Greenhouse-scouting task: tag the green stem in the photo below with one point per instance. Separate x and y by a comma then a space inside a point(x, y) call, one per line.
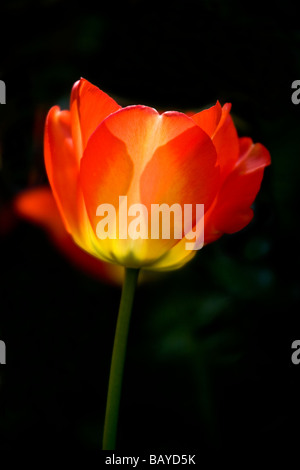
point(118, 359)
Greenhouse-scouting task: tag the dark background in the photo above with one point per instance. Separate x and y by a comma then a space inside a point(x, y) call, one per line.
point(209, 358)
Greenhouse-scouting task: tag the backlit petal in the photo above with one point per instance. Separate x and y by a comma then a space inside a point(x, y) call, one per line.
point(180, 172)
point(62, 165)
point(63, 172)
point(232, 210)
point(89, 106)
point(152, 159)
point(226, 142)
point(208, 119)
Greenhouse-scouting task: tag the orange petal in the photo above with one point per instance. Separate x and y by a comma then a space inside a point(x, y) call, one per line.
point(119, 150)
point(252, 156)
point(226, 142)
point(89, 106)
point(106, 171)
point(181, 172)
point(218, 124)
point(232, 210)
point(208, 119)
point(143, 130)
point(62, 166)
point(151, 159)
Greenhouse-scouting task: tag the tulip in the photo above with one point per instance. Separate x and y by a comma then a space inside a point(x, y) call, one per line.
point(98, 151)
point(99, 156)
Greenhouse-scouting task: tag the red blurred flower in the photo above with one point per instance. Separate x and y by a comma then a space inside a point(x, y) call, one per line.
point(38, 206)
point(98, 151)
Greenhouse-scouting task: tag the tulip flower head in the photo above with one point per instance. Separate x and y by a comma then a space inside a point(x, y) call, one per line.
point(146, 190)
point(143, 189)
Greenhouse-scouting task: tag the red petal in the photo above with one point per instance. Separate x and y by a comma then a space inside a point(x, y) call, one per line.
point(106, 171)
point(232, 210)
point(181, 172)
point(62, 166)
point(208, 119)
point(217, 123)
point(151, 159)
point(89, 107)
point(226, 142)
point(252, 156)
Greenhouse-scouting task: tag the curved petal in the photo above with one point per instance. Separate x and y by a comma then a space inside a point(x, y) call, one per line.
point(151, 159)
point(226, 142)
point(208, 119)
point(218, 124)
point(174, 258)
point(180, 172)
point(252, 156)
point(62, 166)
point(63, 173)
point(89, 107)
point(119, 150)
point(106, 171)
point(143, 130)
point(232, 208)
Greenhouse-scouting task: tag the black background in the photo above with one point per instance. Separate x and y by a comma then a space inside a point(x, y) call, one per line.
point(209, 357)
